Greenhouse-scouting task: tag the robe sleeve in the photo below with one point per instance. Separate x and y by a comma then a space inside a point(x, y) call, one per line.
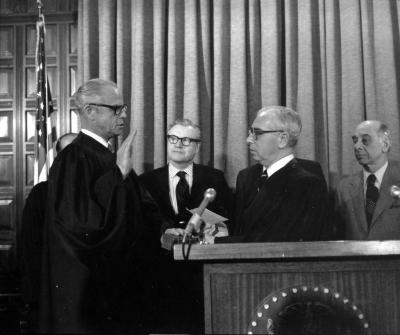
point(88, 202)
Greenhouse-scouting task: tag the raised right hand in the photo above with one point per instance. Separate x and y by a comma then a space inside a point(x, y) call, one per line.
point(125, 154)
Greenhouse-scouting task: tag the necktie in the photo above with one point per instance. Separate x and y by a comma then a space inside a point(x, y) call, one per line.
point(262, 179)
point(371, 196)
point(110, 147)
point(182, 193)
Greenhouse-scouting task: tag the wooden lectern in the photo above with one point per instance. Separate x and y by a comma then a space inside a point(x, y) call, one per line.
point(362, 275)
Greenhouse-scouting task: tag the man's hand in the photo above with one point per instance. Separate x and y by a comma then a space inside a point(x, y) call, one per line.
point(212, 231)
point(167, 241)
point(124, 154)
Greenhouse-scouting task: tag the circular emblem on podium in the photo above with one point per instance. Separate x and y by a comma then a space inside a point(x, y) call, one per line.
point(308, 310)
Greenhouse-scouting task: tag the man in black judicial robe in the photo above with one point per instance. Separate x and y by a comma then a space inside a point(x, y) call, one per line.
point(100, 224)
point(33, 217)
point(278, 200)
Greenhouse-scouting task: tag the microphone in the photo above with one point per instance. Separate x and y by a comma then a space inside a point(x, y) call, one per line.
point(194, 222)
point(395, 191)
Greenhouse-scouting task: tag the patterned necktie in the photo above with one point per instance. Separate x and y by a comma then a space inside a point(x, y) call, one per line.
point(371, 196)
point(182, 193)
point(262, 179)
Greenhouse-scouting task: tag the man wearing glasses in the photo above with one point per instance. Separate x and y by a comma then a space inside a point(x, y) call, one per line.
point(97, 218)
point(178, 187)
point(278, 199)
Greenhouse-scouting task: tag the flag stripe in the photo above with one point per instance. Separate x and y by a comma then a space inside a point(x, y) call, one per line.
point(46, 134)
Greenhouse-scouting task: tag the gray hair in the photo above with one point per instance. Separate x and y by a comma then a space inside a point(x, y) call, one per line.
point(185, 123)
point(90, 89)
point(286, 119)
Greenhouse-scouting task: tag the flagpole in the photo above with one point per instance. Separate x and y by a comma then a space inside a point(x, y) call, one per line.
point(40, 7)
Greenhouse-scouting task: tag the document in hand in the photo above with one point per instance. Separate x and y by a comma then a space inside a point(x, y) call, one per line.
point(209, 217)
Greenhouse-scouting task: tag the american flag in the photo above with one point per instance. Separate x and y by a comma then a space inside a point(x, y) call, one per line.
point(45, 124)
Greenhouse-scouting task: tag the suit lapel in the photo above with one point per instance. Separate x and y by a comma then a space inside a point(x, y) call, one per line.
point(385, 201)
point(196, 193)
point(163, 181)
point(358, 198)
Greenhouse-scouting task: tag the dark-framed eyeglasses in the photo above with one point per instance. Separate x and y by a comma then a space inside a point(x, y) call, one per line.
point(184, 140)
point(254, 132)
point(118, 109)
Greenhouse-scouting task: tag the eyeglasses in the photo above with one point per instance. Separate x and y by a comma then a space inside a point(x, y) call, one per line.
point(184, 140)
point(118, 109)
point(254, 132)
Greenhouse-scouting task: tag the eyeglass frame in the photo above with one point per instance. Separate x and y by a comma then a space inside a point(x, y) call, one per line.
point(254, 132)
point(114, 108)
point(181, 139)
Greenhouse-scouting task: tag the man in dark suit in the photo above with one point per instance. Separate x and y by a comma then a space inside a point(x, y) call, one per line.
point(177, 187)
point(365, 206)
point(164, 183)
point(278, 200)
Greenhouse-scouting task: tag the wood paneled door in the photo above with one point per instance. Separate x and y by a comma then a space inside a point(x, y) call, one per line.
point(18, 98)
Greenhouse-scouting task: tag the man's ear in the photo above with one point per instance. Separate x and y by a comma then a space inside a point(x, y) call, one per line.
point(197, 147)
point(385, 144)
point(283, 140)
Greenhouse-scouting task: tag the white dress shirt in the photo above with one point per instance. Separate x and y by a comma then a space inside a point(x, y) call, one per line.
point(279, 164)
point(173, 181)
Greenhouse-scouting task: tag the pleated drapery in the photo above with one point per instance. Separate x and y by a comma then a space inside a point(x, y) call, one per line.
point(337, 62)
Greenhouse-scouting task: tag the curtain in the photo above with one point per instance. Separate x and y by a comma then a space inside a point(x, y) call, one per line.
point(337, 62)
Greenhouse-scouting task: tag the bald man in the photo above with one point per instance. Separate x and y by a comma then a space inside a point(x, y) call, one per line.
point(365, 207)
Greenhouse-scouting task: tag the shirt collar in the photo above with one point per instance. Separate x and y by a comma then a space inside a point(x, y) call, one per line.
point(95, 137)
point(378, 174)
point(172, 170)
point(279, 164)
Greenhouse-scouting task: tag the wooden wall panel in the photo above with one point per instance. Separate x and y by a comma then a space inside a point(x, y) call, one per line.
point(6, 126)
point(6, 214)
point(30, 123)
point(6, 41)
point(6, 170)
point(30, 161)
point(6, 83)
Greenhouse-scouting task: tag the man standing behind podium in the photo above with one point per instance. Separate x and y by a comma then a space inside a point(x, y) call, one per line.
point(177, 187)
point(365, 206)
point(180, 185)
point(279, 200)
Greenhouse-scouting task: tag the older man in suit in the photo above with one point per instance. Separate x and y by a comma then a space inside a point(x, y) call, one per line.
point(278, 199)
point(365, 206)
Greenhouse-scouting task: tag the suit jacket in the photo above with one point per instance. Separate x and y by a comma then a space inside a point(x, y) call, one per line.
point(204, 177)
point(350, 207)
point(291, 206)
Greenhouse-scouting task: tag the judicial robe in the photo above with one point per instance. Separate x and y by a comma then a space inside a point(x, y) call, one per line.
point(33, 217)
point(291, 205)
point(98, 227)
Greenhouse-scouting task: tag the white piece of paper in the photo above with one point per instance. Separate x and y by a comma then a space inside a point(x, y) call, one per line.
point(209, 217)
